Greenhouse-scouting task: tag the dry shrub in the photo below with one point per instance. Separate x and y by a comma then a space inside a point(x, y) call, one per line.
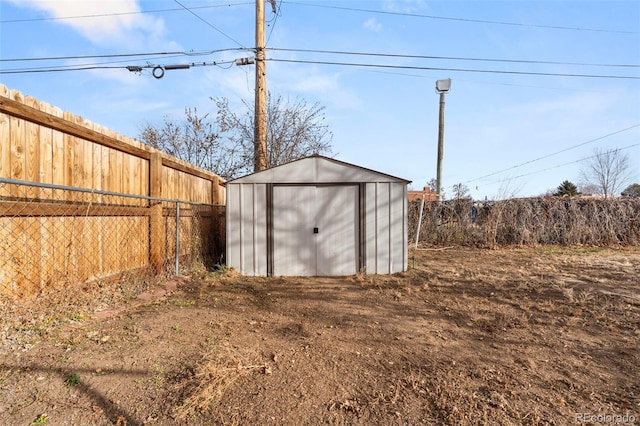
point(531, 221)
point(201, 387)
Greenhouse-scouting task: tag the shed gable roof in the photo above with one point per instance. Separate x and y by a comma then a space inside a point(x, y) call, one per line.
point(317, 169)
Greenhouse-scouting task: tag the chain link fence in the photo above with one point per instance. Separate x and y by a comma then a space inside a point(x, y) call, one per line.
point(62, 238)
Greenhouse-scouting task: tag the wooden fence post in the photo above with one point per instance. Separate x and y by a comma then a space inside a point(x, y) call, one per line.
point(156, 226)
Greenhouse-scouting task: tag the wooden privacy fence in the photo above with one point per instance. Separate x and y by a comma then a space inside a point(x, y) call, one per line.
point(79, 202)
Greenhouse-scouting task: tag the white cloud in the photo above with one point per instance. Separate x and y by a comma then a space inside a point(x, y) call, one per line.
point(372, 24)
point(116, 22)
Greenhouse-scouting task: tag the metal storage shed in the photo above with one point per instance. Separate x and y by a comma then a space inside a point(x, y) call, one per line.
point(317, 217)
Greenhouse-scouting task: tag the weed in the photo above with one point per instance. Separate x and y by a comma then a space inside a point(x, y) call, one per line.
point(176, 328)
point(72, 380)
point(40, 420)
point(76, 317)
point(182, 303)
point(585, 296)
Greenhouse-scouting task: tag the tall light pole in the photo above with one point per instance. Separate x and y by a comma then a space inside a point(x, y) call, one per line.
point(442, 87)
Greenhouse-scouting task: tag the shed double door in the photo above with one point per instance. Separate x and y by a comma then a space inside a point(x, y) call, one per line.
point(315, 230)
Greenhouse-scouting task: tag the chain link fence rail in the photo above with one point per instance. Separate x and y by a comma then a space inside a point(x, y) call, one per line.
point(54, 237)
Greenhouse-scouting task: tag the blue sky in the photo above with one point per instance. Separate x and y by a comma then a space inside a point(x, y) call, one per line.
point(511, 133)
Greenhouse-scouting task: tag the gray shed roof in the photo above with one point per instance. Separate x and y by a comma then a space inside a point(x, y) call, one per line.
point(317, 169)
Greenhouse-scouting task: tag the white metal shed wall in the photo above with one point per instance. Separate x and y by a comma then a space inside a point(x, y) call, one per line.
point(386, 228)
point(379, 220)
point(247, 228)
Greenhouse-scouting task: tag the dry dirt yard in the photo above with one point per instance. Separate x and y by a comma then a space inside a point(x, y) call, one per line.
point(466, 336)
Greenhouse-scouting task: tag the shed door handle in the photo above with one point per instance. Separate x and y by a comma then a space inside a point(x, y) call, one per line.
point(315, 230)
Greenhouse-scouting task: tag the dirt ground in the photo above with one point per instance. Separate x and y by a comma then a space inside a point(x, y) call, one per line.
point(466, 336)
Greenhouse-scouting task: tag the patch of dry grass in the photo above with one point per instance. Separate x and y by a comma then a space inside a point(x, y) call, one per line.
point(201, 387)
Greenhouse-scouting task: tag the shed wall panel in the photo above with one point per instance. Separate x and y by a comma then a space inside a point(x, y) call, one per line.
point(294, 217)
point(314, 170)
point(260, 232)
point(247, 229)
point(337, 240)
point(371, 226)
point(396, 228)
point(405, 228)
point(383, 255)
point(233, 221)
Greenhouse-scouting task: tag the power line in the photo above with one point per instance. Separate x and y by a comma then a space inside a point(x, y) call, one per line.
point(208, 23)
point(132, 68)
point(353, 64)
point(374, 54)
point(277, 12)
point(555, 153)
point(122, 55)
point(364, 65)
point(572, 162)
point(414, 15)
point(453, 58)
point(475, 21)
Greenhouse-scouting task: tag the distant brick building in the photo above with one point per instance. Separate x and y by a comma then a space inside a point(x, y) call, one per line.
point(426, 192)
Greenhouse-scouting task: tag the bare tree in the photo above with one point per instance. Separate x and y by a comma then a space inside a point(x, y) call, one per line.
point(225, 145)
point(196, 140)
point(460, 190)
point(606, 171)
point(509, 188)
point(294, 130)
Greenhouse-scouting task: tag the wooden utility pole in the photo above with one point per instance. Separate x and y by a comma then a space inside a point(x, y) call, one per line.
point(260, 119)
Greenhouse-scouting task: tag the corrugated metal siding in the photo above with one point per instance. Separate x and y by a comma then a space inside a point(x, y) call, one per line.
point(294, 217)
point(337, 240)
point(233, 227)
point(317, 192)
point(396, 228)
point(383, 243)
point(297, 210)
point(317, 170)
point(386, 228)
point(371, 226)
point(247, 228)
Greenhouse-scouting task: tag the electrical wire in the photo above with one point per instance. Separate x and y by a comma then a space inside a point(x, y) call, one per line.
point(209, 24)
point(353, 64)
point(278, 12)
point(451, 58)
point(555, 153)
point(147, 59)
point(364, 65)
point(569, 163)
point(474, 21)
point(122, 55)
point(132, 68)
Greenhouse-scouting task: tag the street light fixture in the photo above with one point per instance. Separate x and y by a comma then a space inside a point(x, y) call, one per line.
point(442, 87)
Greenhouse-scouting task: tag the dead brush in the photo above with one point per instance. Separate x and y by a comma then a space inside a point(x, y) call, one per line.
point(208, 382)
point(566, 291)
